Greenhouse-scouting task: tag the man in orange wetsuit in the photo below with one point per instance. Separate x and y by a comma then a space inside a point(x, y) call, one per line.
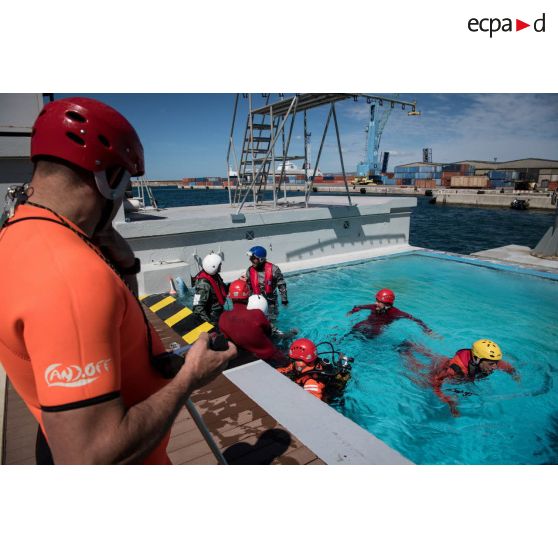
point(249, 329)
point(313, 374)
point(73, 338)
point(467, 365)
point(383, 313)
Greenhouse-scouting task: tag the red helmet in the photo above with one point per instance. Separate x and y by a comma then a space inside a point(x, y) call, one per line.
point(303, 349)
point(238, 290)
point(92, 136)
point(386, 296)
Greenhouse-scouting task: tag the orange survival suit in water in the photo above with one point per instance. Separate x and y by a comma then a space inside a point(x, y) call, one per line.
point(71, 333)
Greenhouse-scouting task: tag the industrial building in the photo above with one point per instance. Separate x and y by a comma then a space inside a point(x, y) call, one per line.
point(541, 171)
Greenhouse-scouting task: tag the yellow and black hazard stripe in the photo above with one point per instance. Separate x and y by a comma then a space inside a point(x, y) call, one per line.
point(177, 316)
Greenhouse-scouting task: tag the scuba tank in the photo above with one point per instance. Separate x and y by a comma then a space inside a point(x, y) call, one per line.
point(336, 371)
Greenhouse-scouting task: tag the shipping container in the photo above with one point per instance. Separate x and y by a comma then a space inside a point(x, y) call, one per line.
point(469, 182)
point(425, 183)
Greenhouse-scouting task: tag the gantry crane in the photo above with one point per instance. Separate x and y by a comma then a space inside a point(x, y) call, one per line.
point(370, 170)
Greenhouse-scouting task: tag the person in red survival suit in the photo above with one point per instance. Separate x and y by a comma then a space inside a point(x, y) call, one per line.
point(314, 375)
point(383, 313)
point(249, 328)
point(467, 365)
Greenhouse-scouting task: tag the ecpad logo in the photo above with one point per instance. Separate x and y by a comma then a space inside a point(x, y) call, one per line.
point(74, 375)
point(493, 25)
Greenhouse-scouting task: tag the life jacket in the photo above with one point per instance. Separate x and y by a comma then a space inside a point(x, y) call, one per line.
point(460, 363)
point(268, 279)
point(217, 285)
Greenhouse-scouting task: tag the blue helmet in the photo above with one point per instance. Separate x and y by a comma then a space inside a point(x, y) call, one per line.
point(258, 251)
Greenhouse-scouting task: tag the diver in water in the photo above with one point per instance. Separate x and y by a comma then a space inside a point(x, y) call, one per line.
point(467, 365)
point(321, 377)
point(383, 313)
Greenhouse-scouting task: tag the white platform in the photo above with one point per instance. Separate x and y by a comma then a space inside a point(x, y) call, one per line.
point(295, 237)
point(335, 439)
point(520, 255)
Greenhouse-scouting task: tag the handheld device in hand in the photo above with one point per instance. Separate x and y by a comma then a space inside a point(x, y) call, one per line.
point(218, 342)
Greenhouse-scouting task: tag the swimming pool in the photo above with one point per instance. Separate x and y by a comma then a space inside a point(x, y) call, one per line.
point(501, 422)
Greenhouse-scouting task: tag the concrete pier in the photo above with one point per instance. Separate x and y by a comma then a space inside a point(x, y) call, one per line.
point(491, 198)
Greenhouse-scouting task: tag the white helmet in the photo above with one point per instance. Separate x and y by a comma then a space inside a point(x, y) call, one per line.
point(257, 302)
point(211, 263)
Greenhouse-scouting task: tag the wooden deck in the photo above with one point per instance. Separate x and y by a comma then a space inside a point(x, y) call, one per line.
point(244, 432)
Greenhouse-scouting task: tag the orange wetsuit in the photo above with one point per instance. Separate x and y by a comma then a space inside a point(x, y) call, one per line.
point(71, 333)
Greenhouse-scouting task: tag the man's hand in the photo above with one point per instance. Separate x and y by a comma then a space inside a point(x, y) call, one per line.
point(202, 364)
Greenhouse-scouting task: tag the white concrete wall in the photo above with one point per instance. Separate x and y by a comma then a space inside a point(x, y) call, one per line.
point(291, 236)
point(536, 201)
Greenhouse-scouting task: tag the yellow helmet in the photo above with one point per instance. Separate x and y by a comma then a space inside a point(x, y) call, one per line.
point(484, 348)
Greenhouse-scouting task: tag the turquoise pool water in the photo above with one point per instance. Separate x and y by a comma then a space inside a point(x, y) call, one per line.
point(501, 422)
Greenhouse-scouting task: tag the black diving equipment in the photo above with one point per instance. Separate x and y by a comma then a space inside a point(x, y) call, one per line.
point(335, 371)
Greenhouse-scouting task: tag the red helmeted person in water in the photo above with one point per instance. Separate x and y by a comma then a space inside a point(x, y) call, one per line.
point(382, 314)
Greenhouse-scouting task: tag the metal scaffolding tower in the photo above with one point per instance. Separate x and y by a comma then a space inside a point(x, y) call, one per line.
point(267, 140)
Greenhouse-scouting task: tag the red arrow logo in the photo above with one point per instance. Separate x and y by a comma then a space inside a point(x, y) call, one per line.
point(519, 25)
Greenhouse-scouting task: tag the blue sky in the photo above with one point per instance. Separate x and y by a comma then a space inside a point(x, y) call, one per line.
point(186, 135)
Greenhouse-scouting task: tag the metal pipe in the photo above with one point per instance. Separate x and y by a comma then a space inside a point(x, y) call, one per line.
point(305, 155)
point(253, 185)
point(340, 152)
point(289, 138)
point(272, 130)
point(319, 153)
point(205, 432)
point(282, 176)
point(231, 144)
point(237, 169)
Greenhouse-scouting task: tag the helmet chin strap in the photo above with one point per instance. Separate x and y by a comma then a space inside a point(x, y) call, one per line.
point(105, 189)
point(106, 214)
